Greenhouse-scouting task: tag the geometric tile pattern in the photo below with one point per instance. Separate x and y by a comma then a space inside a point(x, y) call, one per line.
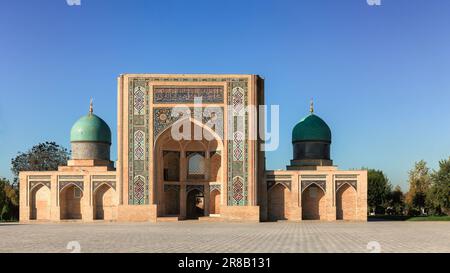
point(139, 158)
point(213, 187)
point(238, 144)
point(238, 189)
point(139, 189)
point(139, 145)
point(162, 119)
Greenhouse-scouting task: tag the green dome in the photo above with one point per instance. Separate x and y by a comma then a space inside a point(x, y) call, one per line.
point(90, 128)
point(311, 128)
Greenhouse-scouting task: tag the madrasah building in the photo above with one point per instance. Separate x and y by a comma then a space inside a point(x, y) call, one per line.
point(217, 176)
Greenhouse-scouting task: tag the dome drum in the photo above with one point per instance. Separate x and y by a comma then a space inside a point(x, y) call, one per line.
point(90, 150)
point(311, 150)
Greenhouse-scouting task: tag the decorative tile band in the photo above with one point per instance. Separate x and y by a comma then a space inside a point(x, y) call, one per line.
point(340, 183)
point(346, 176)
point(313, 176)
point(71, 177)
point(42, 177)
point(63, 184)
point(279, 176)
point(94, 177)
point(138, 139)
point(272, 183)
point(320, 183)
point(187, 94)
point(97, 184)
point(33, 184)
point(238, 145)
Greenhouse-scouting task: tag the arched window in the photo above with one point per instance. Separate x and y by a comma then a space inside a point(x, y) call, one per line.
point(196, 166)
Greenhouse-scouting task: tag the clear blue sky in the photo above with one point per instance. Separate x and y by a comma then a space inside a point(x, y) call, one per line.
point(380, 76)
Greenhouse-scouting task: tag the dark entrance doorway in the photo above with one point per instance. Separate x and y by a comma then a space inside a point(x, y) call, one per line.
point(195, 204)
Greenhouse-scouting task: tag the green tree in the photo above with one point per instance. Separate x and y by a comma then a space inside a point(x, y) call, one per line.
point(9, 201)
point(419, 184)
point(45, 156)
point(438, 195)
point(396, 201)
point(378, 191)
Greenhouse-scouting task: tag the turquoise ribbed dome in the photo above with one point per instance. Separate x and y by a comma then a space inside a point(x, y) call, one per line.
point(311, 128)
point(90, 128)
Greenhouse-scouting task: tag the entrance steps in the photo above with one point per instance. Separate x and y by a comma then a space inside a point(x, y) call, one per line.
point(210, 219)
point(214, 218)
point(167, 219)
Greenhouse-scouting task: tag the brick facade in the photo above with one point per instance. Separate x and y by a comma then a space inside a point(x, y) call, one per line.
point(220, 176)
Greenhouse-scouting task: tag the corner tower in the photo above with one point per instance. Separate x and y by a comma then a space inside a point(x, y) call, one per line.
point(311, 141)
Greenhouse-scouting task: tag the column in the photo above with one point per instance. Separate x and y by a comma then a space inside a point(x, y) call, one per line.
point(330, 195)
point(182, 200)
point(55, 208)
point(207, 195)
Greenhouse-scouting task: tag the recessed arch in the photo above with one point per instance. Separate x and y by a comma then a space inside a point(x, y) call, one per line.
point(70, 200)
point(40, 202)
point(215, 167)
point(195, 203)
point(214, 202)
point(346, 202)
point(104, 202)
point(278, 202)
point(205, 148)
point(195, 122)
point(313, 203)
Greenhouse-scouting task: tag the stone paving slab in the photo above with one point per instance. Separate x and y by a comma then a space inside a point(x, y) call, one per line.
point(195, 236)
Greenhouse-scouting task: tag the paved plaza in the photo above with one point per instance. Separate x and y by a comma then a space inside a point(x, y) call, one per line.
point(195, 236)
